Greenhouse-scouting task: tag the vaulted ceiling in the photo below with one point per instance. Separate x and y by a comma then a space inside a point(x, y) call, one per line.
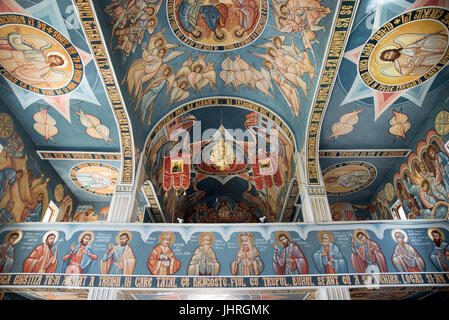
point(306, 74)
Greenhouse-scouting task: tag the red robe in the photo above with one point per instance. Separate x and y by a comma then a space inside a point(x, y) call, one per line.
point(155, 265)
point(359, 261)
point(46, 265)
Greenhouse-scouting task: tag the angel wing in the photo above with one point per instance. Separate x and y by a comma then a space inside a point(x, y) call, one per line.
point(172, 55)
point(209, 77)
point(264, 83)
point(133, 76)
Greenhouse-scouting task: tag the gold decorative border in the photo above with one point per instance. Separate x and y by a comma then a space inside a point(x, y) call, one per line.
point(333, 57)
point(399, 153)
point(75, 155)
point(221, 101)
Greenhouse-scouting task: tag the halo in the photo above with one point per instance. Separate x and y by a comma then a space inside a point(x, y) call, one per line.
point(163, 48)
point(92, 236)
point(147, 9)
point(202, 31)
point(63, 57)
point(380, 62)
point(270, 49)
point(429, 232)
point(281, 233)
point(130, 236)
point(171, 234)
point(18, 238)
point(48, 233)
point(198, 65)
point(265, 62)
point(251, 237)
point(169, 68)
point(320, 236)
point(220, 40)
point(278, 37)
point(200, 238)
point(155, 19)
point(394, 231)
point(357, 231)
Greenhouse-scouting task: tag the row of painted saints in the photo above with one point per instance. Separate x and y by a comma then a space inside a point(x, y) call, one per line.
point(423, 185)
point(288, 258)
point(284, 64)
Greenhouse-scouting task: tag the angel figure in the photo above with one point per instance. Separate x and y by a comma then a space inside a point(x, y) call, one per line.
point(152, 91)
point(198, 73)
point(288, 91)
point(239, 72)
point(179, 90)
point(290, 61)
point(130, 20)
point(285, 76)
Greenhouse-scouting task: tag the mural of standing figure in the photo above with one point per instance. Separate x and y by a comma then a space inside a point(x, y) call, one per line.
point(405, 257)
point(80, 258)
point(329, 259)
point(204, 262)
point(440, 253)
point(366, 255)
point(247, 261)
point(119, 259)
point(291, 260)
point(7, 251)
point(43, 259)
point(162, 261)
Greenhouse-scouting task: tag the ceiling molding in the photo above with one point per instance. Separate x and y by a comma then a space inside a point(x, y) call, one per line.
point(94, 35)
point(78, 155)
point(337, 43)
point(374, 153)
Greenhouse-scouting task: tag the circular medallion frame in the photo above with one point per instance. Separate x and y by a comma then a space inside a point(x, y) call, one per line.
point(384, 63)
point(348, 177)
point(44, 61)
point(82, 173)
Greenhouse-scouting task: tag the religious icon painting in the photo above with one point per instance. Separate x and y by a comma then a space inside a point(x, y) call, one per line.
point(265, 166)
point(406, 51)
point(348, 177)
point(217, 25)
point(176, 166)
point(176, 172)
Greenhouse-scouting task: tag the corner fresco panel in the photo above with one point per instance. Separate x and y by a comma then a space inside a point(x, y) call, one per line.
point(300, 255)
point(28, 184)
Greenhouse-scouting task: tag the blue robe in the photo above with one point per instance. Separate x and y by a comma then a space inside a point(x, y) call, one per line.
point(6, 216)
point(443, 159)
point(35, 214)
point(434, 257)
point(188, 15)
point(320, 261)
point(6, 175)
point(86, 262)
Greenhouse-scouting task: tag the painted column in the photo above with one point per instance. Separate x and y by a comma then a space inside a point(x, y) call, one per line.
point(123, 209)
point(333, 293)
point(315, 206)
point(105, 294)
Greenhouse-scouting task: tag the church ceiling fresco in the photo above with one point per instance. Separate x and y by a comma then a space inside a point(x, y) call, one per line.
point(105, 78)
point(391, 77)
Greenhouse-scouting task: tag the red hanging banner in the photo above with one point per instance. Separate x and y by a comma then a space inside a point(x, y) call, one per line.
point(266, 171)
